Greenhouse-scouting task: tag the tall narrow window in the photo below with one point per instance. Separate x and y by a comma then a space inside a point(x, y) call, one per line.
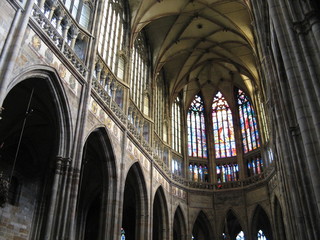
point(176, 125)
point(197, 146)
point(223, 131)
point(111, 34)
point(139, 73)
point(248, 123)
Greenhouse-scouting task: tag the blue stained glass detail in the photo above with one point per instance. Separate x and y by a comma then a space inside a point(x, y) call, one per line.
point(223, 131)
point(248, 123)
point(197, 146)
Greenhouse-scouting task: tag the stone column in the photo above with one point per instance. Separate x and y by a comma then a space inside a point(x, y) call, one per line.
point(12, 46)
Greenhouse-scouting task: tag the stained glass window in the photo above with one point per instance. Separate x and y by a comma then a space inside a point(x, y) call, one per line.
point(177, 166)
point(227, 172)
point(248, 123)
point(198, 172)
point(123, 234)
point(190, 171)
point(206, 173)
point(224, 140)
point(240, 236)
point(197, 146)
point(255, 166)
point(261, 235)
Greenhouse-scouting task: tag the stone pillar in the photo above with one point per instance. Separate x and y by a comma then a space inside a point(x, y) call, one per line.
point(12, 46)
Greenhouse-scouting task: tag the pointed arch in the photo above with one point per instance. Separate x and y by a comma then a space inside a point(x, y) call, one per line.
point(160, 216)
point(223, 131)
point(41, 75)
point(135, 204)
point(261, 223)
point(202, 228)
point(197, 144)
point(231, 226)
point(179, 225)
point(97, 190)
point(280, 230)
point(36, 133)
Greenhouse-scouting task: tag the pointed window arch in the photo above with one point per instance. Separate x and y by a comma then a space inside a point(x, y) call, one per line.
point(223, 131)
point(248, 122)
point(197, 146)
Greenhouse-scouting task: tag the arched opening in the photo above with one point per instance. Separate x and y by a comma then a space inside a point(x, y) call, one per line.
point(261, 227)
point(232, 228)
point(96, 188)
point(279, 224)
point(160, 216)
point(202, 229)
point(32, 127)
point(135, 205)
point(179, 225)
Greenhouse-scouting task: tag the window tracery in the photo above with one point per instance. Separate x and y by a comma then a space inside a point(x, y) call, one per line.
point(197, 146)
point(224, 139)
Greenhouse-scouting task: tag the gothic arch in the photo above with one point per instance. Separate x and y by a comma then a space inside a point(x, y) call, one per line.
point(97, 190)
point(202, 228)
point(55, 85)
point(160, 216)
point(231, 225)
point(35, 140)
point(179, 225)
point(280, 231)
point(135, 204)
point(260, 221)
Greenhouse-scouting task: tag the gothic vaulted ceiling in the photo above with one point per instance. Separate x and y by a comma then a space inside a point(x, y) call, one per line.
point(198, 44)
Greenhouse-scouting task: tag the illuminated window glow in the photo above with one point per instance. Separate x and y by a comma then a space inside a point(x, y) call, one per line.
point(197, 146)
point(224, 139)
point(248, 123)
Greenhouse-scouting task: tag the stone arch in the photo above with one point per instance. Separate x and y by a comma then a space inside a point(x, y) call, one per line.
point(160, 216)
point(260, 221)
point(35, 146)
point(232, 226)
point(97, 188)
point(55, 85)
point(179, 225)
point(135, 204)
point(279, 225)
point(202, 228)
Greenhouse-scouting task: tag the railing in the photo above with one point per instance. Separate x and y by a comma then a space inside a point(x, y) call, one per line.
point(58, 40)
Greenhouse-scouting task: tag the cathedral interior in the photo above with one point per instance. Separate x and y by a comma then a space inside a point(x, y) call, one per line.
point(159, 119)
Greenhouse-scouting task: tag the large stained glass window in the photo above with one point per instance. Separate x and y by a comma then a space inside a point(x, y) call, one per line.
point(248, 123)
point(224, 140)
point(197, 146)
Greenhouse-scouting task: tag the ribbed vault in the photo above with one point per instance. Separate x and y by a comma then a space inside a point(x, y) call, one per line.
point(198, 43)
